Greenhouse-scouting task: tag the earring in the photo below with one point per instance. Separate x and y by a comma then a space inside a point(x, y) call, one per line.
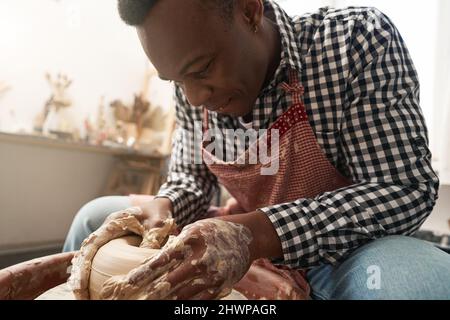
point(255, 28)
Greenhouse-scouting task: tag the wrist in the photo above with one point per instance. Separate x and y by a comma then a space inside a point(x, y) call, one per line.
point(158, 208)
point(166, 206)
point(265, 242)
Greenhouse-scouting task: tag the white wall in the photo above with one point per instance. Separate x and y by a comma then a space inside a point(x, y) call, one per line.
point(83, 38)
point(43, 187)
point(439, 220)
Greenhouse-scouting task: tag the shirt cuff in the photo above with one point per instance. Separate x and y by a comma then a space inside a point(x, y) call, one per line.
point(175, 197)
point(297, 235)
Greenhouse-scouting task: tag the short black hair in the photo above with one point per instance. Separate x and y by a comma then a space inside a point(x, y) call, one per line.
point(134, 12)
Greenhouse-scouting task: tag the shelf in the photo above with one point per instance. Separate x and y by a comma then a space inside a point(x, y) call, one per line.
point(44, 141)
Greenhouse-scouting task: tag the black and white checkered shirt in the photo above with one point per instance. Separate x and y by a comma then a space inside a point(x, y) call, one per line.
point(362, 100)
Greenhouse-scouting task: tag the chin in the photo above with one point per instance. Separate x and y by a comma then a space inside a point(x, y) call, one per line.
point(232, 113)
point(237, 110)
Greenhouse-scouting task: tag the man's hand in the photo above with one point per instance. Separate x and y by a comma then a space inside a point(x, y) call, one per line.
point(203, 262)
point(155, 216)
point(118, 224)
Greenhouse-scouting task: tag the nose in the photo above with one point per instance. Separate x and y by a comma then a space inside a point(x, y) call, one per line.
point(196, 93)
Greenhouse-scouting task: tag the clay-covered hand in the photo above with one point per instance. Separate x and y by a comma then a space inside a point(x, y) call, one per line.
point(156, 221)
point(118, 224)
point(203, 262)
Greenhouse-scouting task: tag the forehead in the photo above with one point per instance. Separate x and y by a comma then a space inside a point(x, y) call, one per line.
point(178, 30)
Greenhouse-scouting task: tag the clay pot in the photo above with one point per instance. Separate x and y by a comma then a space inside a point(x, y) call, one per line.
point(117, 257)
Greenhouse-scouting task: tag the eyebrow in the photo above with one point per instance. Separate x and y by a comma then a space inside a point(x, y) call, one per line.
point(188, 65)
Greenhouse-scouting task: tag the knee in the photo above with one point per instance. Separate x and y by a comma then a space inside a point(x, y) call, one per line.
point(91, 215)
point(394, 267)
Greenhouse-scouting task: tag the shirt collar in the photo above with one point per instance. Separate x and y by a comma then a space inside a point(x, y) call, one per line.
point(290, 51)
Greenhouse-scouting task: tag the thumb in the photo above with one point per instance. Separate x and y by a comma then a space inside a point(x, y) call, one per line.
point(156, 237)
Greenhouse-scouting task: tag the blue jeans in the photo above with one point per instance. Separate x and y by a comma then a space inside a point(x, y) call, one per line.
point(394, 267)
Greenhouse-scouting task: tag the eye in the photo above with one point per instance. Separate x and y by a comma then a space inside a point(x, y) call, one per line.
point(204, 72)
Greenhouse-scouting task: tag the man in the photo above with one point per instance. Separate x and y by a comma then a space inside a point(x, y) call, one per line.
point(352, 176)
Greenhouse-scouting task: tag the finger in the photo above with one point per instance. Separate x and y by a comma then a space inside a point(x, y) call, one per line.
point(112, 289)
point(197, 285)
point(133, 211)
point(191, 289)
point(208, 294)
point(143, 282)
point(163, 262)
point(153, 222)
point(156, 237)
point(186, 279)
point(184, 273)
point(173, 254)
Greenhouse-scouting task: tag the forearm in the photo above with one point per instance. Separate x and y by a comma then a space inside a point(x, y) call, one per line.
point(329, 227)
point(265, 243)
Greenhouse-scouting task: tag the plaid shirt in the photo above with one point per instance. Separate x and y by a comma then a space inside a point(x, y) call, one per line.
point(362, 100)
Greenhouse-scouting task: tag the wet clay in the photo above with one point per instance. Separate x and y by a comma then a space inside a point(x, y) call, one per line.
point(117, 257)
point(111, 256)
point(223, 262)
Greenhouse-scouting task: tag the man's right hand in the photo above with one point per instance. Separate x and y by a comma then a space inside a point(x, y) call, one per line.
point(156, 218)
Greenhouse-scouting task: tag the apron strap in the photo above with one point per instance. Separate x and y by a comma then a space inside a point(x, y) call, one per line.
point(294, 87)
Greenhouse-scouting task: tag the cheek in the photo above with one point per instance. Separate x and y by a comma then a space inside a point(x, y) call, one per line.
point(248, 80)
point(238, 83)
point(236, 71)
point(237, 77)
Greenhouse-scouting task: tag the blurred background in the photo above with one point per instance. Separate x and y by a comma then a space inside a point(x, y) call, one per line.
point(82, 113)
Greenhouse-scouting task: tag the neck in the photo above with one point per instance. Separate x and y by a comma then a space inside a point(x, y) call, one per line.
point(273, 41)
point(274, 52)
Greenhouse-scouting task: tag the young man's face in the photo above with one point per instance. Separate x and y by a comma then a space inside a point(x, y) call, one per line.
point(228, 69)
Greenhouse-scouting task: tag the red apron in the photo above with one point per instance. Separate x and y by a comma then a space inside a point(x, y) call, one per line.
point(303, 172)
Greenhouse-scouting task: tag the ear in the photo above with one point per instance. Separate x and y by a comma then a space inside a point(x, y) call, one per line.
point(253, 12)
